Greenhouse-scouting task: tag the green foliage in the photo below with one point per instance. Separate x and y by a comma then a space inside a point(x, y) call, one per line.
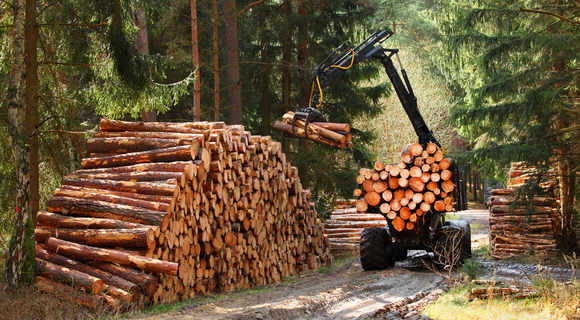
point(515, 72)
point(471, 268)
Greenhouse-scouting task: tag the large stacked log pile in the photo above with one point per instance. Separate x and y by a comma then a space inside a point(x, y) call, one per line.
point(345, 225)
point(333, 134)
point(162, 211)
point(409, 192)
point(519, 227)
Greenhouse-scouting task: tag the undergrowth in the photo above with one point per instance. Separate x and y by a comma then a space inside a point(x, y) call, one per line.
point(554, 300)
point(29, 303)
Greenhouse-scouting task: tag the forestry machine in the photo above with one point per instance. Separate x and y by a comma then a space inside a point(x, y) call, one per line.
point(450, 241)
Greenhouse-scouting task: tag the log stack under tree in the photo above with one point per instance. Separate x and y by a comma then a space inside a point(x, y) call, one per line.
point(524, 227)
point(408, 192)
point(160, 212)
point(345, 225)
point(333, 134)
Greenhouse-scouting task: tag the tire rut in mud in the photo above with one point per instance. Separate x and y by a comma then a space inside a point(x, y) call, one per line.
point(391, 293)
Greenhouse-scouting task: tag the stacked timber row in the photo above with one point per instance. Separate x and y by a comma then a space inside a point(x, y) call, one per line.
point(168, 210)
point(410, 192)
point(520, 227)
point(333, 134)
point(345, 225)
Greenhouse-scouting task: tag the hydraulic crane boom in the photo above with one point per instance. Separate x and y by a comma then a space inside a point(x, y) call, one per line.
point(337, 63)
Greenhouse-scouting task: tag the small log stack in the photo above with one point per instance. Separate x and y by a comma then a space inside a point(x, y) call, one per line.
point(345, 225)
point(162, 211)
point(409, 192)
point(333, 134)
point(517, 227)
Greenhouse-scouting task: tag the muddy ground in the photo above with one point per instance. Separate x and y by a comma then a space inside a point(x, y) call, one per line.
point(349, 292)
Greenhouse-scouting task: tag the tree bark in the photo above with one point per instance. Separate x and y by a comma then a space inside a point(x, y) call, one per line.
point(69, 293)
point(107, 277)
point(195, 60)
point(179, 153)
point(287, 45)
point(17, 135)
point(148, 188)
point(265, 73)
point(147, 282)
point(143, 237)
point(216, 70)
point(79, 251)
point(102, 209)
point(142, 45)
point(55, 220)
point(304, 84)
point(73, 277)
point(234, 89)
point(32, 104)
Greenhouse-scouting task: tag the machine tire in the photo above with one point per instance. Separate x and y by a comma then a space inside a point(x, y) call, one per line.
point(377, 251)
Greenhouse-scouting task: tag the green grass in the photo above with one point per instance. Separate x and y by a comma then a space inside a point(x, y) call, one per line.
point(482, 252)
point(555, 301)
point(339, 261)
point(201, 300)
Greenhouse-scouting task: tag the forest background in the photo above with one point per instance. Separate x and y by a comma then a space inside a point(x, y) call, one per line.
point(496, 80)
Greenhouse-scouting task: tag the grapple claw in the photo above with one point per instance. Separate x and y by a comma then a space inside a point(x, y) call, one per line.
point(308, 115)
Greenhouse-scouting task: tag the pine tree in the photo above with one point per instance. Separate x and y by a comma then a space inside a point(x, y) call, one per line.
point(515, 66)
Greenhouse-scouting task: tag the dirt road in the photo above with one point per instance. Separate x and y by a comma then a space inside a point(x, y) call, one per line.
point(348, 292)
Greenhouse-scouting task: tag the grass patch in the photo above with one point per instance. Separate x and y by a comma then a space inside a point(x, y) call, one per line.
point(451, 216)
point(482, 252)
point(555, 301)
point(191, 303)
point(29, 303)
point(340, 260)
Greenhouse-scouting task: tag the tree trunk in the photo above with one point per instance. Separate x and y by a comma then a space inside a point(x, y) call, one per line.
point(264, 58)
point(216, 70)
point(287, 62)
point(17, 134)
point(142, 45)
point(566, 165)
point(304, 83)
point(32, 104)
point(195, 58)
point(234, 89)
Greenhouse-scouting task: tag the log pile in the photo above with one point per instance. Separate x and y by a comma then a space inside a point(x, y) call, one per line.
point(333, 134)
point(519, 227)
point(162, 211)
point(410, 192)
point(345, 225)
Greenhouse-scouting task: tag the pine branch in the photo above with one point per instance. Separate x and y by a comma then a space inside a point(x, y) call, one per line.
point(68, 64)
point(92, 26)
point(550, 14)
point(570, 110)
point(575, 4)
point(83, 21)
point(251, 5)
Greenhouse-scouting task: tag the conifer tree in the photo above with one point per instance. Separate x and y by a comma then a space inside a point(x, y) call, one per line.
point(515, 66)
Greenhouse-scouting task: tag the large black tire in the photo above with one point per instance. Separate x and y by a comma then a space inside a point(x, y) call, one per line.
point(377, 251)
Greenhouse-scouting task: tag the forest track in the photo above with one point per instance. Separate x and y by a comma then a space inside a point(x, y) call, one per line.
point(349, 292)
